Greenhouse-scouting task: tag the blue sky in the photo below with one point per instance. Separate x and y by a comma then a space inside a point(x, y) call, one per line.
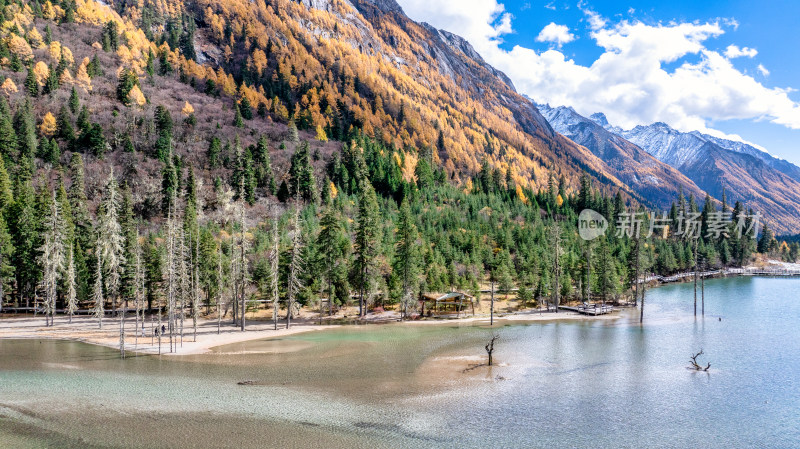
point(728, 68)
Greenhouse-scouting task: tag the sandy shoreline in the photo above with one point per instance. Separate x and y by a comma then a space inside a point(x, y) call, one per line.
point(85, 329)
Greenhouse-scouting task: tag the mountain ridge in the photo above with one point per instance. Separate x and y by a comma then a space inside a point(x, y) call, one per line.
point(634, 165)
point(745, 173)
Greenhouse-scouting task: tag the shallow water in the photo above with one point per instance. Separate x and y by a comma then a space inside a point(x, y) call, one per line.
point(557, 384)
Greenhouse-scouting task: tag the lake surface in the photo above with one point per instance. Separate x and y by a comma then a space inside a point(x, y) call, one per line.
point(605, 383)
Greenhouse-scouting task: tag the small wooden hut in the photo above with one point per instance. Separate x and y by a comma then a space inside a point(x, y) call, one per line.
point(453, 301)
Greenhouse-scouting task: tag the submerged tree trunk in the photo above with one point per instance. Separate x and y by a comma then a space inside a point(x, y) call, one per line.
point(703, 294)
point(122, 332)
point(159, 330)
point(695, 277)
point(641, 311)
point(491, 312)
point(490, 347)
point(636, 269)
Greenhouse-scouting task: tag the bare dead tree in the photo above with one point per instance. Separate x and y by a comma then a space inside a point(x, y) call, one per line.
point(183, 278)
point(587, 292)
point(697, 366)
point(295, 266)
point(273, 271)
point(97, 296)
point(643, 289)
point(52, 259)
point(695, 277)
point(72, 295)
point(221, 287)
point(555, 236)
point(491, 306)
point(196, 283)
point(490, 347)
point(243, 263)
point(703, 289)
point(171, 275)
point(138, 293)
point(122, 329)
point(158, 329)
point(233, 281)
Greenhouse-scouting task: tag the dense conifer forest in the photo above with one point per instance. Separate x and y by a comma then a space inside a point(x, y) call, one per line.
point(133, 176)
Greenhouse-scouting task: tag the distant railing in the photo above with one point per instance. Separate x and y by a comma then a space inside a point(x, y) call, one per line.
point(724, 272)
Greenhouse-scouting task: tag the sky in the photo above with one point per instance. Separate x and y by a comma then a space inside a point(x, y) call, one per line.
point(727, 68)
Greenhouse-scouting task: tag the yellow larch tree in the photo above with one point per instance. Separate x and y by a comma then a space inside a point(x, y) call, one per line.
point(82, 78)
point(19, 46)
point(137, 97)
point(35, 38)
point(188, 109)
point(42, 72)
point(48, 127)
point(321, 136)
point(8, 87)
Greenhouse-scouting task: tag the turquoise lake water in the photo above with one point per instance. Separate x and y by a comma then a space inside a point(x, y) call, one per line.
point(604, 383)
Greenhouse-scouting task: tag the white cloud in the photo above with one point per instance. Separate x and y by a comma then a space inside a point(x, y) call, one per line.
point(596, 21)
point(733, 51)
point(557, 34)
point(549, 6)
point(478, 21)
point(762, 70)
point(628, 81)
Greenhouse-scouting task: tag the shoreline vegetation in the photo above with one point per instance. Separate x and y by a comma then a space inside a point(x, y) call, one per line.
point(261, 326)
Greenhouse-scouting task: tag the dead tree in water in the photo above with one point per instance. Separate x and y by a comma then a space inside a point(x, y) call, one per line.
point(636, 262)
point(491, 311)
point(490, 347)
point(122, 330)
point(645, 263)
point(695, 365)
point(703, 290)
point(695, 277)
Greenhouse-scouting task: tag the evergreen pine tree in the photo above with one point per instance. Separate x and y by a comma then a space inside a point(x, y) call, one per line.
point(368, 234)
point(406, 263)
point(333, 245)
point(301, 175)
point(237, 119)
point(31, 86)
point(8, 136)
point(6, 195)
point(24, 224)
point(74, 101)
point(64, 125)
point(6, 265)
point(214, 152)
